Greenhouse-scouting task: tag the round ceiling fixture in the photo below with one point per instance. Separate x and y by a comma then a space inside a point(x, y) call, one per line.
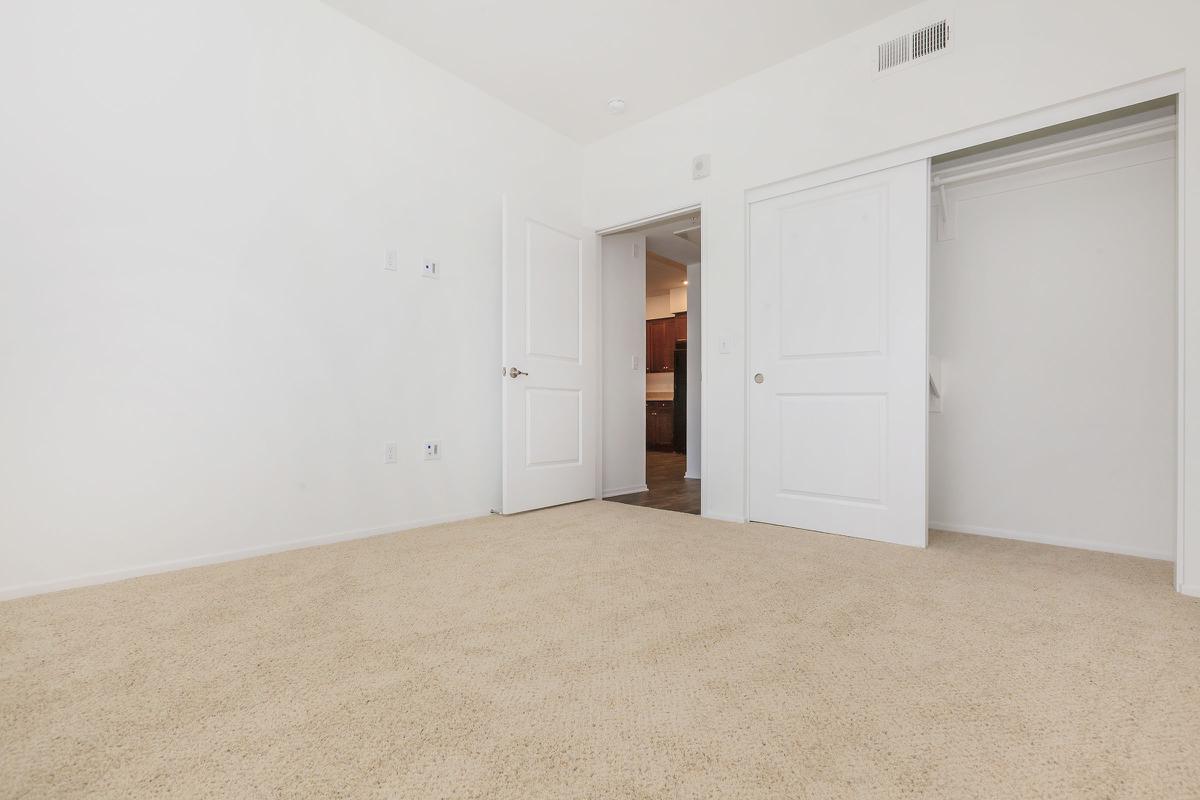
point(616, 106)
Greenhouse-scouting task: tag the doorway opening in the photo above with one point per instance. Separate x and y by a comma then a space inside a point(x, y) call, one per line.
point(984, 340)
point(1053, 335)
point(651, 342)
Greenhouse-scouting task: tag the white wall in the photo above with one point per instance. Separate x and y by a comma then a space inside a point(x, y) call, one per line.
point(201, 351)
point(659, 382)
point(679, 298)
point(824, 108)
point(1053, 312)
point(658, 305)
point(623, 275)
point(693, 375)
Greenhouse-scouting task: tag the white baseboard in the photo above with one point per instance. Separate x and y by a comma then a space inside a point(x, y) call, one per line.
point(689, 476)
point(723, 517)
point(1057, 541)
point(94, 578)
point(626, 490)
point(1190, 589)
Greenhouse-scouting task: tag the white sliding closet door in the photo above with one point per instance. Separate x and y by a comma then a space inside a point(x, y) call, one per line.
point(838, 333)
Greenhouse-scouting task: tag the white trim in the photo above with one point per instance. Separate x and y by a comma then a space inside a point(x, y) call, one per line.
point(748, 365)
point(1082, 147)
point(725, 518)
point(626, 227)
point(1056, 541)
point(627, 490)
point(705, 355)
point(94, 578)
point(972, 187)
point(1152, 89)
point(1181, 346)
point(1190, 589)
point(687, 476)
point(598, 244)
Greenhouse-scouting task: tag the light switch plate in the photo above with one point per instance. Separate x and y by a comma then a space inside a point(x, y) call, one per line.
point(430, 268)
point(432, 450)
point(392, 262)
point(391, 452)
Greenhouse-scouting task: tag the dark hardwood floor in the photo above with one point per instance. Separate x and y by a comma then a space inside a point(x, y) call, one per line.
point(669, 490)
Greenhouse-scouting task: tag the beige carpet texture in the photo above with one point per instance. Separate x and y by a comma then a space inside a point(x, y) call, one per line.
point(600, 650)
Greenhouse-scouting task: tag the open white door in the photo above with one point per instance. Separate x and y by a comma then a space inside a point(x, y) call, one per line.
point(550, 368)
point(838, 327)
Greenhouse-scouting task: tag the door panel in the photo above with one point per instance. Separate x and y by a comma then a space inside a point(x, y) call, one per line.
point(651, 347)
point(550, 338)
point(835, 304)
point(660, 344)
point(666, 344)
point(553, 277)
point(553, 427)
point(838, 297)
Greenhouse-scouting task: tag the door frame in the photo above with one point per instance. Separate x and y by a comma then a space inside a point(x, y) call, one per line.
point(1169, 84)
point(625, 227)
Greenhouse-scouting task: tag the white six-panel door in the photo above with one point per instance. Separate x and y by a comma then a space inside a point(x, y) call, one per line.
point(838, 331)
point(549, 349)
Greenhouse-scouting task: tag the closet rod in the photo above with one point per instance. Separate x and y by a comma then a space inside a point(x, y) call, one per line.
point(1157, 130)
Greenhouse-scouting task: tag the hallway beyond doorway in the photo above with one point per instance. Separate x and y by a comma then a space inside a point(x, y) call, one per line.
point(669, 490)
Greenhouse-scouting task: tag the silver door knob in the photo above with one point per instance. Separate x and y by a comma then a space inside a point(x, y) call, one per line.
point(515, 373)
point(758, 377)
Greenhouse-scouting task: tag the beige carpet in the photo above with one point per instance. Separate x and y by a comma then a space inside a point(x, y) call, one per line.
point(607, 651)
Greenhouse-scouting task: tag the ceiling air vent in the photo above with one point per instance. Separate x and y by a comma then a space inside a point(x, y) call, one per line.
point(912, 47)
point(893, 53)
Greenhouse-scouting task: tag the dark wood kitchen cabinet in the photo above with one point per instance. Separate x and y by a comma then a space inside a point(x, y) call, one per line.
point(660, 345)
point(681, 326)
point(660, 424)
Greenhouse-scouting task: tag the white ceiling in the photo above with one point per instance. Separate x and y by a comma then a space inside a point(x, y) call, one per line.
point(561, 61)
point(661, 239)
point(667, 244)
